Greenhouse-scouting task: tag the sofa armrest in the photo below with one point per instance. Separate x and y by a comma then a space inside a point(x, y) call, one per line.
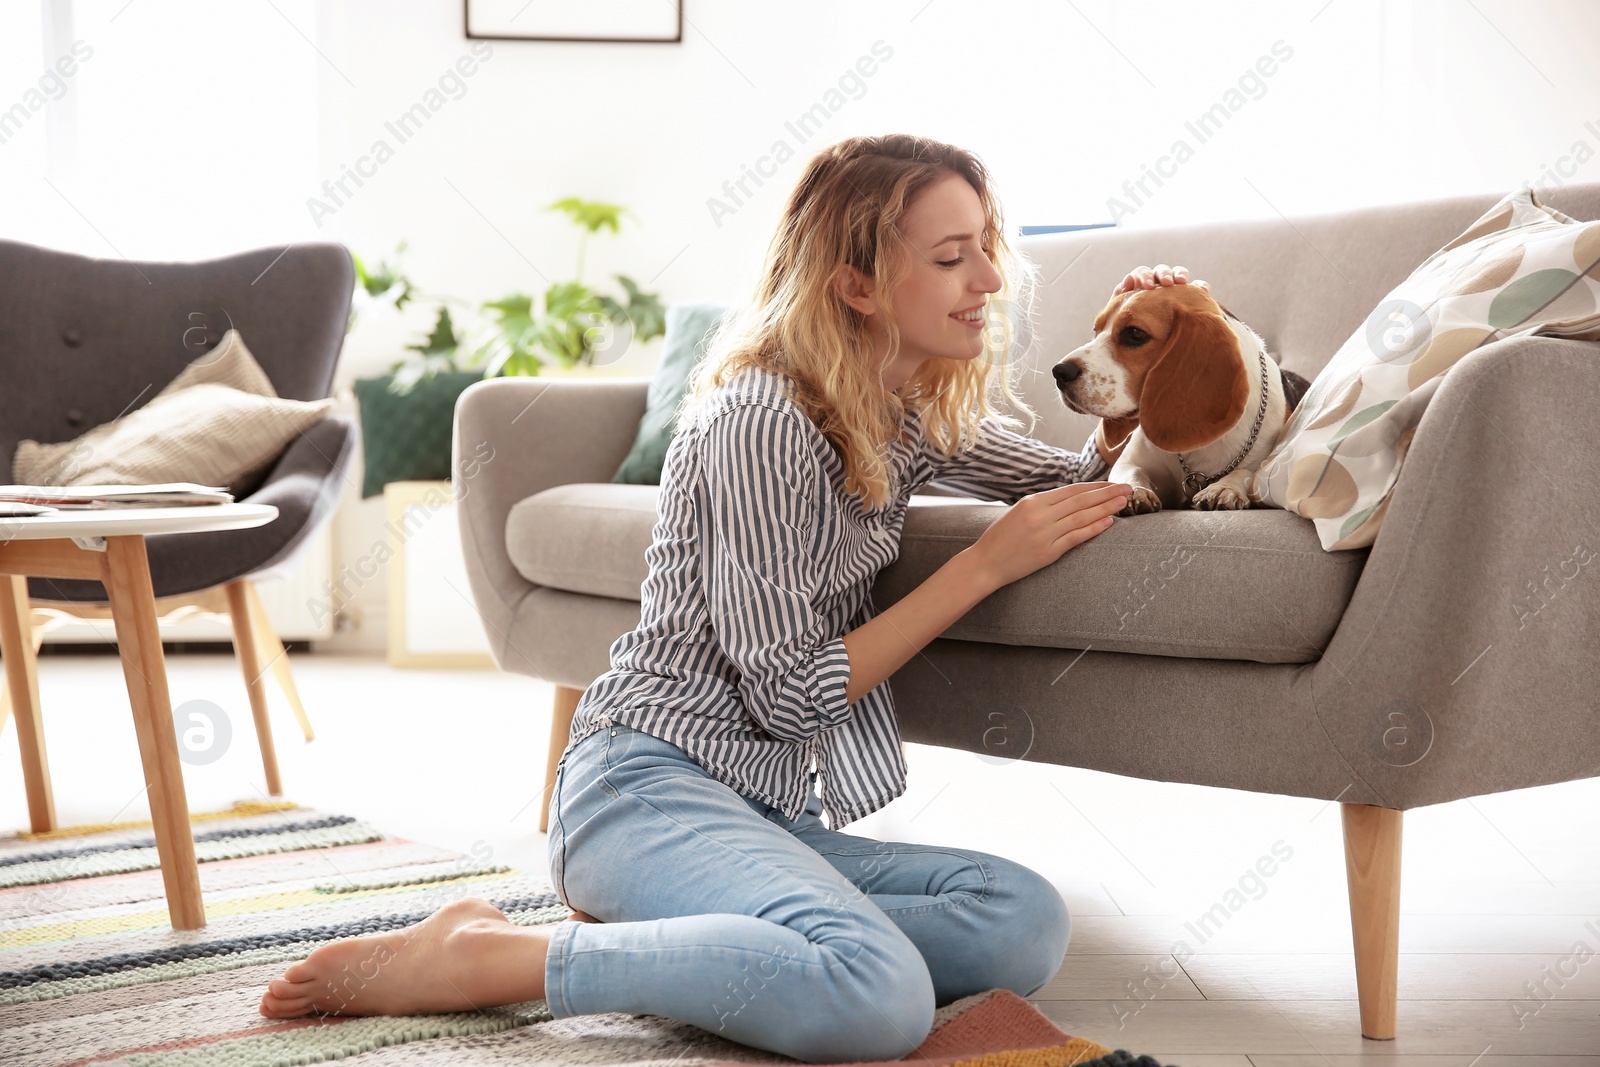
point(512, 438)
point(1465, 662)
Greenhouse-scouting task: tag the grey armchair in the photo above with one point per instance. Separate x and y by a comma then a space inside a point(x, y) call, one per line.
point(1223, 649)
point(84, 340)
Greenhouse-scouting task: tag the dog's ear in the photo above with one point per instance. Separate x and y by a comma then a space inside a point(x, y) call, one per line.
point(1197, 388)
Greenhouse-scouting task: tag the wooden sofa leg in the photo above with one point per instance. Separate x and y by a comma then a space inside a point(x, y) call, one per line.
point(248, 649)
point(566, 705)
point(1372, 866)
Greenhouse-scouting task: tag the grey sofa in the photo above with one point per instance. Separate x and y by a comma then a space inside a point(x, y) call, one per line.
point(1223, 649)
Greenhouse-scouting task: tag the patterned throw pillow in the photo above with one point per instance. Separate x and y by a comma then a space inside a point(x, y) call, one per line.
point(219, 422)
point(230, 363)
point(1523, 268)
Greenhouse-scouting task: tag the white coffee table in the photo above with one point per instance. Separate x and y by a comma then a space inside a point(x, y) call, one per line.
point(108, 547)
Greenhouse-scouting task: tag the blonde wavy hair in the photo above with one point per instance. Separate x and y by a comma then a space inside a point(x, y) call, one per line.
point(848, 207)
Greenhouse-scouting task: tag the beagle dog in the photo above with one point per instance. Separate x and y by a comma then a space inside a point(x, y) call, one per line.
point(1210, 401)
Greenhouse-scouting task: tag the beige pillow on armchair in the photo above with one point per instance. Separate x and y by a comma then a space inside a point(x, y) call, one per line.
point(219, 422)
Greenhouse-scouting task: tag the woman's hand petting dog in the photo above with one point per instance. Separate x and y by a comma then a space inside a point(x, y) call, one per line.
point(1160, 274)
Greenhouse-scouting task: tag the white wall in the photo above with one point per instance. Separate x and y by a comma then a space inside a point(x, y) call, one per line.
point(196, 129)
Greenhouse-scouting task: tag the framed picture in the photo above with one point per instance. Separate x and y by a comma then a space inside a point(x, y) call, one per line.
point(635, 21)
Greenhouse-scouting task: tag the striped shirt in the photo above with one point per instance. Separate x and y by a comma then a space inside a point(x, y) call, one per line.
point(759, 563)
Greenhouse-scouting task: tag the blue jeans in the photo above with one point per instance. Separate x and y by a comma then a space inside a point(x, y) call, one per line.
point(717, 910)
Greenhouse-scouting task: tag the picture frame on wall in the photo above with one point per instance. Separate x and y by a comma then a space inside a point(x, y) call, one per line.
point(614, 21)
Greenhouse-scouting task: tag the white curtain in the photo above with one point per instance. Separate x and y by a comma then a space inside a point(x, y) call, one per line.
point(159, 129)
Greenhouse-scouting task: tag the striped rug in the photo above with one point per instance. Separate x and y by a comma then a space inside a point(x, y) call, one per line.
point(91, 972)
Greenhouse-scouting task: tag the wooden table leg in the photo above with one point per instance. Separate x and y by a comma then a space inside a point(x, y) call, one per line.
point(36, 627)
point(247, 644)
point(22, 681)
point(144, 668)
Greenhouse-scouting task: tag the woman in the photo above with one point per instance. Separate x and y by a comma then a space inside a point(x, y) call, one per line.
point(687, 815)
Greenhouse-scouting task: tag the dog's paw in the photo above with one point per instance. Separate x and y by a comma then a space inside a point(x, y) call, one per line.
point(1220, 496)
point(1141, 501)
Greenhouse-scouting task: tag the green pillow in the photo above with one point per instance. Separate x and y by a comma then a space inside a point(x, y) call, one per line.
point(407, 438)
point(688, 328)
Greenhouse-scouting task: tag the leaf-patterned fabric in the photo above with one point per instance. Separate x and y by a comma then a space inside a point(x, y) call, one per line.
point(1523, 268)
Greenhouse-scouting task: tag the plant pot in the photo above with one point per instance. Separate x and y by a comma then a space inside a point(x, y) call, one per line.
point(407, 438)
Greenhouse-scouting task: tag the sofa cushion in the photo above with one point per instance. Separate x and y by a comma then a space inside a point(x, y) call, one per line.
point(1244, 585)
point(584, 537)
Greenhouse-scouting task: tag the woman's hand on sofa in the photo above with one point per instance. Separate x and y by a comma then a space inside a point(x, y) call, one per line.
point(1160, 274)
point(1041, 527)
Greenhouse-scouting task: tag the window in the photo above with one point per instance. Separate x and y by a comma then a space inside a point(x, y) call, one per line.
point(185, 129)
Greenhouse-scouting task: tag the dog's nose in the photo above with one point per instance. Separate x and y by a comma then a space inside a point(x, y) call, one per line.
point(1066, 373)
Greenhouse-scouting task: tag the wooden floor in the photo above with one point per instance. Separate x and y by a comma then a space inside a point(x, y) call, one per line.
point(1500, 934)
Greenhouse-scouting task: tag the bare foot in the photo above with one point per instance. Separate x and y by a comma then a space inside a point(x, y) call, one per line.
point(466, 955)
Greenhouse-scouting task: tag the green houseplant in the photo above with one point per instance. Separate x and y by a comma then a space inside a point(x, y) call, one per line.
point(406, 413)
point(579, 326)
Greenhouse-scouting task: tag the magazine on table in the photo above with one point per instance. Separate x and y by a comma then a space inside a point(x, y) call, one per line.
point(22, 500)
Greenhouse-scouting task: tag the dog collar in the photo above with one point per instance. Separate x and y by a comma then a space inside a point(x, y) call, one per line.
point(1193, 480)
